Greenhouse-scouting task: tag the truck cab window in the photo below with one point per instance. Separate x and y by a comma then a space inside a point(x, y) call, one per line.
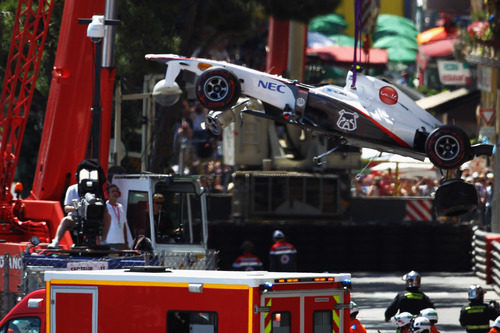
point(137, 213)
point(322, 321)
point(191, 322)
point(281, 322)
point(22, 325)
point(173, 217)
point(169, 213)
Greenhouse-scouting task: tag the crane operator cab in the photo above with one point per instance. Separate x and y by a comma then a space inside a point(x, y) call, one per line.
point(169, 212)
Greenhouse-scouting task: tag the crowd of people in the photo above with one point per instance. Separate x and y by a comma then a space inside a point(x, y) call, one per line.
point(199, 151)
point(385, 184)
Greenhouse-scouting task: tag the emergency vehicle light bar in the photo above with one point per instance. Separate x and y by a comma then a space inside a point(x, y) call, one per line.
point(309, 279)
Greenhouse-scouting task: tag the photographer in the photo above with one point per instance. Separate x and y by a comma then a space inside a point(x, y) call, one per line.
point(78, 194)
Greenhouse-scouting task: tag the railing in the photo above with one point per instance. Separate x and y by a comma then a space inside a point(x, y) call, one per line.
point(486, 257)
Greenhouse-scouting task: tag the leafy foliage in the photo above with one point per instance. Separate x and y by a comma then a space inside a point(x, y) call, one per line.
point(151, 26)
point(299, 10)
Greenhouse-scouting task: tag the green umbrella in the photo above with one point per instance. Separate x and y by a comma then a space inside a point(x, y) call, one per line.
point(394, 31)
point(328, 24)
point(399, 54)
point(384, 20)
point(342, 40)
point(387, 42)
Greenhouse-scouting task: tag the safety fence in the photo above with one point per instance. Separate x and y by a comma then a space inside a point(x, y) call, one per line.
point(392, 209)
point(486, 257)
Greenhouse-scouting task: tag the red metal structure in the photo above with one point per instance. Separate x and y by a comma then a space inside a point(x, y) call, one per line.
point(68, 117)
point(28, 39)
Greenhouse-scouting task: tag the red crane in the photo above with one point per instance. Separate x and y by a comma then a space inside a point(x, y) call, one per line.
point(68, 118)
point(28, 40)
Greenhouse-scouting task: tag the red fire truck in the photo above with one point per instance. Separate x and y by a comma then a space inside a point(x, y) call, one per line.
point(155, 299)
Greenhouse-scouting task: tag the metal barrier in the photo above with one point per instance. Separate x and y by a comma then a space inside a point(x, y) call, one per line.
point(486, 257)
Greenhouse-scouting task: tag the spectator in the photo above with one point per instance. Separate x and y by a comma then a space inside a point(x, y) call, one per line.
point(406, 188)
point(426, 187)
point(373, 188)
point(488, 199)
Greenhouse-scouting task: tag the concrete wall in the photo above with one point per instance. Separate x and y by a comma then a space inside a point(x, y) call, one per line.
point(349, 247)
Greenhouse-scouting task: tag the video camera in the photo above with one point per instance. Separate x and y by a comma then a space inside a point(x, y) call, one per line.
point(91, 206)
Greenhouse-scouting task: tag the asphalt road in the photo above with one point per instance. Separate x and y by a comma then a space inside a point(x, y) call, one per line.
point(373, 292)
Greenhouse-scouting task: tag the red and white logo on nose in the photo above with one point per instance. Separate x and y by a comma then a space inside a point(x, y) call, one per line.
point(388, 95)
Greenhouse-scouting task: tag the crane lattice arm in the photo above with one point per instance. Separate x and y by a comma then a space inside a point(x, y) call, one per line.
point(25, 54)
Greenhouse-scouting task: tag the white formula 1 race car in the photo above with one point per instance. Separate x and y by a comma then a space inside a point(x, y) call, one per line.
point(372, 114)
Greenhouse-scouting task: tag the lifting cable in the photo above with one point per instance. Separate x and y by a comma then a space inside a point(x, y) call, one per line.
point(357, 38)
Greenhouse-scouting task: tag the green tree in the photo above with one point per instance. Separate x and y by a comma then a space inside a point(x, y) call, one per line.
point(299, 10)
point(179, 28)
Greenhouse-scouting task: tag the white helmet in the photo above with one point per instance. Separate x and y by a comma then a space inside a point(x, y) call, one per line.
point(430, 314)
point(421, 325)
point(278, 234)
point(354, 308)
point(497, 322)
point(402, 319)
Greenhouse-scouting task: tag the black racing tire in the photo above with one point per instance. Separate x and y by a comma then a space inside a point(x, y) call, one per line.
point(454, 198)
point(448, 147)
point(218, 89)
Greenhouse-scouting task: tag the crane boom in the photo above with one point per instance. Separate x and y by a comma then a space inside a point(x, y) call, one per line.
point(25, 54)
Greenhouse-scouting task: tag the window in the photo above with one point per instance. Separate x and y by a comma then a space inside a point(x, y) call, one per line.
point(22, 325)
point(191, 322)
point(281, 322)
point(170, 216)
point(137, 213)
point(322, 321)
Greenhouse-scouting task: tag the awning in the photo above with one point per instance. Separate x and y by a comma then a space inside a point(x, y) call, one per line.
point(440, 48)
point(442, 98)
point(431, 35)
point(344, 54)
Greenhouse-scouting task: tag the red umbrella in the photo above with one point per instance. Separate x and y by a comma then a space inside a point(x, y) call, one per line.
point(430, 35)
point(440, 48)
point(344, 54)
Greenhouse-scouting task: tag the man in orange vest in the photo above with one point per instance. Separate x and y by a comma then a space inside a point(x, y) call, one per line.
point(283, 255)
point(356, 326)
point(247, 261)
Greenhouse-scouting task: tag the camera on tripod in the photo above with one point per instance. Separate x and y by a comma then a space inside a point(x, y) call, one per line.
point(91, 206)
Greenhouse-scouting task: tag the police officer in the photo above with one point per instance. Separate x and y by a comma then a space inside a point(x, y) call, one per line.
point(411, 300)
point(475, 317)
point(282, 256)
